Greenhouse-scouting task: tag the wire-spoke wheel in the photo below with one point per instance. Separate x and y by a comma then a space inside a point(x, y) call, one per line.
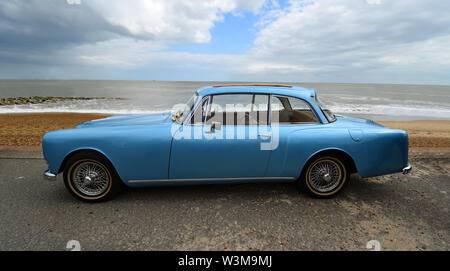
point(90, 176)
point(324, 176)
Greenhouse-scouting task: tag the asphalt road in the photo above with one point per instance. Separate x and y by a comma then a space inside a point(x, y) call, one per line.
point(400, 212)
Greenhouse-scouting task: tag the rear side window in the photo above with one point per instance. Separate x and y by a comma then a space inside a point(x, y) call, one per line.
point(292, 110)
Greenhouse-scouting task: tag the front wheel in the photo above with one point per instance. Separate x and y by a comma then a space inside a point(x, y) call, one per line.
point(324, 176)
point(91, 177)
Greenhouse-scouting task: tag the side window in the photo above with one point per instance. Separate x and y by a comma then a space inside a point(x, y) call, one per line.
point(260, 108)
point(300, 105)
point(238, 109)
point(231, 103)
point(276, 103)
point(292, 110)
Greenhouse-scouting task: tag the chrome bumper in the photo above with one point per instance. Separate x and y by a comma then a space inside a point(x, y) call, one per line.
point(407, 169)
point(49, 176)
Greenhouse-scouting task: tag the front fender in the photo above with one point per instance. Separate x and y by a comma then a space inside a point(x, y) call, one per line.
point(137, 153)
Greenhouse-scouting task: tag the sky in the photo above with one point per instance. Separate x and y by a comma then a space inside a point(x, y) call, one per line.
point(342, 41)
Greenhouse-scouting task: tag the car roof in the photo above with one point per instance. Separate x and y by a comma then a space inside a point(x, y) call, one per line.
point(278, 89)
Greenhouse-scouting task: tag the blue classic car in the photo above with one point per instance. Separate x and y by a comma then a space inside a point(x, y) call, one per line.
point(226, 134)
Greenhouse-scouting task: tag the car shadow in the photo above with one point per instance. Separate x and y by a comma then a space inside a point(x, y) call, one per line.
point(357, 187)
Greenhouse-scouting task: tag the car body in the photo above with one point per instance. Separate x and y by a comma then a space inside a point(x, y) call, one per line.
point(149, 149)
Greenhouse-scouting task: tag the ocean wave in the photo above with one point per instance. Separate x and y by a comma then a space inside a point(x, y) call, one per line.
point(394, 111)
point(116, 111)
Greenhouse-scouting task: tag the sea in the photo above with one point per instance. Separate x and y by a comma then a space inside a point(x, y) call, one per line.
point(371, 101)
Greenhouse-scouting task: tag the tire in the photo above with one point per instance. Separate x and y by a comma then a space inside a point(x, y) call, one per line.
point(90, 177)
point(324, 176)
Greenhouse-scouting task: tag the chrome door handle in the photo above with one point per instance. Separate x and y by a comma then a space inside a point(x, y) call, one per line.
point(214, 127)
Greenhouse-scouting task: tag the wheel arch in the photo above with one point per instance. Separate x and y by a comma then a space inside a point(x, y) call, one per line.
point(333, 152)
point(91, 150)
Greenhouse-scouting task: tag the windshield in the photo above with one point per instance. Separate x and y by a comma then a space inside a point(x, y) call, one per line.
point(328, 114)
point(184, 110)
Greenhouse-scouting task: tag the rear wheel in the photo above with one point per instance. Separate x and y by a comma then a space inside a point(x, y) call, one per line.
point(89, 176)
point(324, 176)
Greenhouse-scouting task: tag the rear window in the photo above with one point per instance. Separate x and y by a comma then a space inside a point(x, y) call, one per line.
point(327, 112)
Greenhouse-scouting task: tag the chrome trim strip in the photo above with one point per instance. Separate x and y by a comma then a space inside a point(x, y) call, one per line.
point(187, 121)
point(49, 176)
point(214, 179)
point(407, 169)
point(252, 85)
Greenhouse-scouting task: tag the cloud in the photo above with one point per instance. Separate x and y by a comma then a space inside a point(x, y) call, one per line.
point(394, 41)
point(51, 24)
point(35, 29)
point(110, 39)
point(176, 20)
point(332, 39)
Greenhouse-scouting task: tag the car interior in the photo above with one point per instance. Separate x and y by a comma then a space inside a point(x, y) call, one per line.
point(284, 110)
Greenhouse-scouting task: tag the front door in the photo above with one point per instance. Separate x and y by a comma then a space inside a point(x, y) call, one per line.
point(226, 138)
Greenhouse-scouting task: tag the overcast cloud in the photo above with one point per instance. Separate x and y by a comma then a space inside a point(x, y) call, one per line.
point(384, 41)
point(356, 40)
